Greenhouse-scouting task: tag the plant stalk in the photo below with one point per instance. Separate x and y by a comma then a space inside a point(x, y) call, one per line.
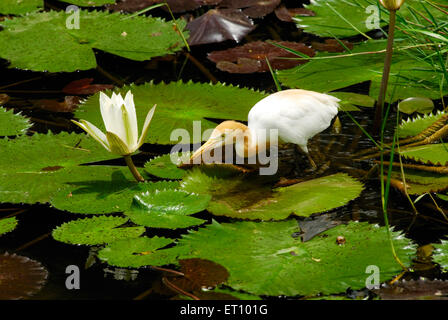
point(386, 72)
point(133, 169)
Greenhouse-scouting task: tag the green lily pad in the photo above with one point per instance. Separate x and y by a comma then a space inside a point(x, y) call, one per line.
point(43, 42)
point(248, 197)
point(264, 259)
point(167, 209)
point(420, 182)
point(138, 252)
point(179, 105)
point(413, 126)
point(89, 3)
point(18, 7)
point(431, 154)
point(165, 166)
point(440, 255)
point(416, 104)
point(12, 124)
point(409, 77)
point(7, 225)
point(95, 231)
point(343, 18)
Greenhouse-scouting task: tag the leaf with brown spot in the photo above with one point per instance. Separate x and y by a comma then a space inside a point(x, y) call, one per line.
point(251, 57)
point(218, 25)
point(20, 277)
point(286, 14)
point(85, 86)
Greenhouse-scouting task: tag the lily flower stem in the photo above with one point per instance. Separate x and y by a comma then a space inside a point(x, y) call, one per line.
point(133, 169)
point(386, 72)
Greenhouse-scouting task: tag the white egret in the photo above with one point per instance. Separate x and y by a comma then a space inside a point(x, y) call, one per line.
point(297, 114)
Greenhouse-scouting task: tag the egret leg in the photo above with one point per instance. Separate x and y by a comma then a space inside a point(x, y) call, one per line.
point(313, 164)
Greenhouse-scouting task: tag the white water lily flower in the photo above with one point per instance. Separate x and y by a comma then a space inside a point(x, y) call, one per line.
point(120, 121)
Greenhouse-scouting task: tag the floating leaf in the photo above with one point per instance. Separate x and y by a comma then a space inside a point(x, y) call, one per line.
point(264, 259)
point(138, 252)
point(430, 153)
point(69, 104)
point(252, 8)
point(416, 104)
point(440, 255)
point(175, 5)
point(20, 277)
point(218, 25)
point(330, 71)
point(245, 198)
point(42, 41)
point(332, 45)
point(89, 3)
point(420, 182)
point(12, 124)
point(286, 14)
point(165, 166)
point(348, 18)
point(18, 7)
point(252, 56)
point(85, 86)
point(167, 209)
point(413, 126)
point(7, 225)
point(95, 230)
point(415, 290)
point(178, 106)
point(350, 100)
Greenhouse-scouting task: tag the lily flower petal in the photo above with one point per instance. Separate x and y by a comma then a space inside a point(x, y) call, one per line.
point(117, 145)
point(114, 118)
point(94, 132)
point(146, 126)
point(132, 117)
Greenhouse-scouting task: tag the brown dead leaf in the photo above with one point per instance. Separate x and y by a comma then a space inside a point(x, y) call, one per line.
point(286, 14)
point(84, 86)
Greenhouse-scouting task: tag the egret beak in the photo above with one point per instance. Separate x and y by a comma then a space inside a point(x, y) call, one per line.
point(211, 144)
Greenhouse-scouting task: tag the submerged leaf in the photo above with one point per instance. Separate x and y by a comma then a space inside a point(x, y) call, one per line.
point(12, 124)
point(264, 259)
point(7, 225)
point(85, 86)
point(420, 182)
point(431, 153)
point(167, 209)
point(252, 56)
point(218, 25)
point(95, 230)
point(20, 277)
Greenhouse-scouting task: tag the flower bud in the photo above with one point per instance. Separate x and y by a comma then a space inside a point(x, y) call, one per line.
point(392, 5)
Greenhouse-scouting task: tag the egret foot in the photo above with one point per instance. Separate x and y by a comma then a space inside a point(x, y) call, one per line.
point(313, 164)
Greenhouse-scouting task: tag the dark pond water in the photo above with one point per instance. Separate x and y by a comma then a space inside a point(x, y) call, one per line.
point(32, 237)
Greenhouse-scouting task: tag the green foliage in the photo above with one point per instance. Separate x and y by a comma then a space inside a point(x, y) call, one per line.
point(89, 3)
point(165, 166)
point(440, 255)
point(95, 231)
point(409, 77)
point(178, 106)
point(167, 209)
point(343, 18)
point(413, 126)
point(264, 259)
point(420, 182)
point(350, 100)
point(416, 104)
point(7, 225)
point(138, 252)
point(12, 124)
point(42, 41)
point(18, 7)
point(430, 153)
point(246, 197)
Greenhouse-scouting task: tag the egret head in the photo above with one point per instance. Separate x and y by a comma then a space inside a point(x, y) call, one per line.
point(226, 133)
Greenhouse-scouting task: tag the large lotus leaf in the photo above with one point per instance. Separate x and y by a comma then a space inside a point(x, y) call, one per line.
point(416, 104)
point(138, 252)
point(430, 153)
point(409, 77)
point(420, 182)
point(265, 259)
point(20, 6)
point(89, 3)
point(178, 106)
point(350, 100)
point(48, 152)
point(101, 189)
point(43, 42)
point(440, 255)
point(242, 197)
point(95, 231)
point(167, 209)
point(12, 124)
point(7, 225)
point(413, 126)
point(165, 166)
point(343, 18)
